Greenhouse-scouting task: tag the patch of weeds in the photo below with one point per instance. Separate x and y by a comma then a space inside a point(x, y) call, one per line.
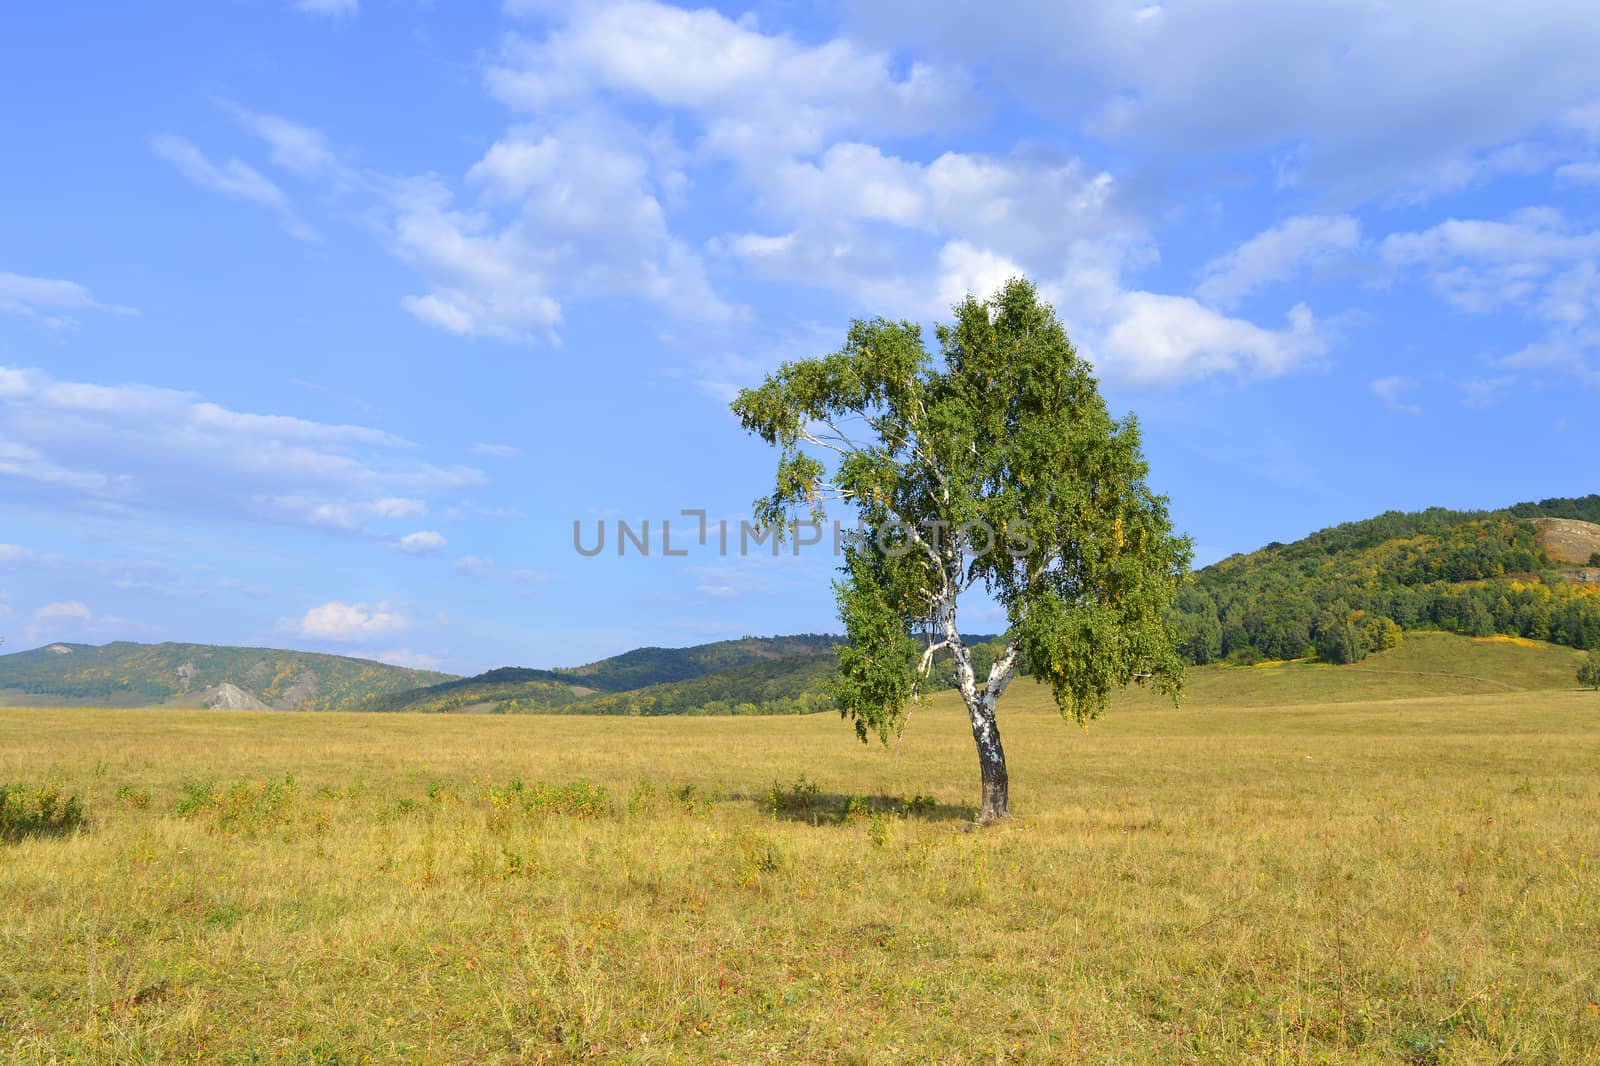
point(224, 916)
point(243, 808)
point(129, 796)
point(878, 828)
point(350, 792)
point(575, 799)
point(759, 857)
point(514, 863)
point(644, 798)
point(38, 810)
point(648, 797)
point(692, 801)
point(803, 795)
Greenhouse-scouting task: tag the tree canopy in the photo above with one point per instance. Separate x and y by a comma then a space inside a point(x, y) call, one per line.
point(994, 464)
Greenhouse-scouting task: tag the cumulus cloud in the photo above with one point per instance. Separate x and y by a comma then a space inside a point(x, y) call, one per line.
point(351, 622)
point(1276, 255)
point(422, 542)
point(1165, 340)
point(121, 448)
point(1533, 259)
point(1534, 262)
point(1367, 98)
point(49, 299)
point(573, 209)
point(760, 95)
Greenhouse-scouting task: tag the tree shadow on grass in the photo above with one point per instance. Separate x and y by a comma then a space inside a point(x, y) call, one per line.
point(809, 805)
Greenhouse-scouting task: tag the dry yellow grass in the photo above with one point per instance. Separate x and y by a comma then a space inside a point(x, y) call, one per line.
point(1329, 882)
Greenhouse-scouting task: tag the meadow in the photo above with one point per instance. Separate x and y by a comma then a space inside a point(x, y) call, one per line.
point(1391, 862)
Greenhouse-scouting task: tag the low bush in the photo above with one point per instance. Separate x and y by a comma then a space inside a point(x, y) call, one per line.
point(38, 810)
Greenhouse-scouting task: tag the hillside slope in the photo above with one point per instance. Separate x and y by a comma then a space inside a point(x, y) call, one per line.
point(198, 675)
point(1345, 592)
point(517, 690)
point(654, 666)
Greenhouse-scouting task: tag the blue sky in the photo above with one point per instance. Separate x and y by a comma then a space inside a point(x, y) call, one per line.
point(322, 322)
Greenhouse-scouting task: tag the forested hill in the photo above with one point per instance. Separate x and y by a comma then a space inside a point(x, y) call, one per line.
point(655, 666)
point(517, 689)
point(1530, 571)
point(128, 674)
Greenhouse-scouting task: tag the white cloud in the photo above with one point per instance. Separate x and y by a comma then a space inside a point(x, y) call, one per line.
point(1165, 340)
point(351, 622)
point(1534, 262)
point(328, 8)
point(1369, 97)
point(398, 507)
point(232, 178)
point(498, 451)
point(1392, 392)
point(758, 94)
point(43, 298)
point(412, 660)
point(487, 569)
point(1531, 260)
point(136, 447)
point(1485, 392)
point(70, 620)
point(294, 147)
point(422, 542)
point(1579, 174)
point(571, 210)
point(1277, 255)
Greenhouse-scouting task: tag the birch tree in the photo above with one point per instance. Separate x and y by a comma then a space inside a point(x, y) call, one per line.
point(992, 464)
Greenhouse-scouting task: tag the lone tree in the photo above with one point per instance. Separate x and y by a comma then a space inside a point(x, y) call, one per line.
point(994, 464)
point(1589, 670)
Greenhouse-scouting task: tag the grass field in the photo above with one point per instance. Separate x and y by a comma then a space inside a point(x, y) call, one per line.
point(1304, 864)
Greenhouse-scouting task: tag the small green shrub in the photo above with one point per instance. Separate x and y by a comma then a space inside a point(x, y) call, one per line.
point(575, 799)
point(803, 795)
point(38, 810)
point(129, 796)
point(243, 808)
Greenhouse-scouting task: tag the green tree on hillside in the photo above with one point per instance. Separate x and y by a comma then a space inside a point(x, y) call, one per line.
point(1589, 670)
point(996, 464)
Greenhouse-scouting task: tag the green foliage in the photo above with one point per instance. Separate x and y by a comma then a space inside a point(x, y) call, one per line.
point(1589, 670)
point(803, 795)
point(571, 799)
point(1004, 432)
point(244, 808)
point(144, 674)
point(1345, 592)
point(1583, 508)
point(38, 810)
point(1594, 558)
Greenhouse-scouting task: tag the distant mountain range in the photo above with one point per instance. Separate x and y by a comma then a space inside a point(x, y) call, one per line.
point(198, 675)
point(1529, 571)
